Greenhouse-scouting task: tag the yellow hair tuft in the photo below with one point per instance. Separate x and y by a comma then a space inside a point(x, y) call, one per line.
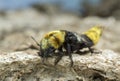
point(94, 33)
point(54, 38)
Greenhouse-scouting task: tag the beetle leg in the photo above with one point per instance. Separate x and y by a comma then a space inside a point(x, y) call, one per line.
point(43, 60)
point(59, 57)
point(96, 51)
point(82, 52)
point(70, 55)
point(91, 50)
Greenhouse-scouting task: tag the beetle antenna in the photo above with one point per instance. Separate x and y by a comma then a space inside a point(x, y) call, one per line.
point(35, 41)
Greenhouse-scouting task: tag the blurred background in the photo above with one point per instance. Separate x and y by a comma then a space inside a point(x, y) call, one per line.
point(20, 19)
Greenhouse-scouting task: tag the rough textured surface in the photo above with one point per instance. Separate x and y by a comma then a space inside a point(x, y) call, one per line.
point(20, 66)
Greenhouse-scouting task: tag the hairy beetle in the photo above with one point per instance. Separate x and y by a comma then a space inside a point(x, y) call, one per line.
point(70, 41)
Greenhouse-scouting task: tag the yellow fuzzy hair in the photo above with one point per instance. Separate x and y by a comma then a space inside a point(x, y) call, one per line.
point(54, 38)
point(94, 33)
